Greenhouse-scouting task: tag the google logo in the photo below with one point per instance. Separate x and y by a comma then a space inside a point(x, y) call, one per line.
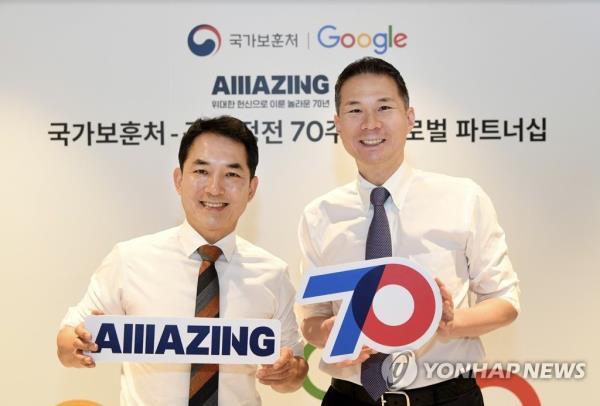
point(328, 37)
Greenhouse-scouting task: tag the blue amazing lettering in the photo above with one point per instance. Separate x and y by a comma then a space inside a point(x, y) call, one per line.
point(206, 340)
point(275, 84)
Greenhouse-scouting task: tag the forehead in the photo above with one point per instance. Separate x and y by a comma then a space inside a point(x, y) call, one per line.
point(218, 149)
point(367, 85)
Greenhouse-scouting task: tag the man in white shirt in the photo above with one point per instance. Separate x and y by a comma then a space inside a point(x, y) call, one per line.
point(157, 275)
point(446, 224)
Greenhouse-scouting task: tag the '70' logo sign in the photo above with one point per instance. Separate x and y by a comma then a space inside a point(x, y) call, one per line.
point(389, 304)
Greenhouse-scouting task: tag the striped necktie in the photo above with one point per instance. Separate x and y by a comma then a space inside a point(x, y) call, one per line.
point(204, 378)
point(379, 245)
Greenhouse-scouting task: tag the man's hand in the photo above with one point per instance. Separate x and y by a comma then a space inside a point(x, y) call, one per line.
point(72, 342)
point(317, 330)
point(365, 354)
point(475, 321)
point(327, 326)
point(447, 322)
point(286, 374)
point(83, 342)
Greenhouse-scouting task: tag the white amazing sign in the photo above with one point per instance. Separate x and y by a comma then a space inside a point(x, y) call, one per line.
point(184, 340)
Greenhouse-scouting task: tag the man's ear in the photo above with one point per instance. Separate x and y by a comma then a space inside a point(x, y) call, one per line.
point(410, 117)
point(336, 121)
point(253, 187)
point(177, 177)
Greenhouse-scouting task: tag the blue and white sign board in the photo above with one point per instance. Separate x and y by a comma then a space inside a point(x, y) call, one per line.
point(184, 340)
point(389, 304)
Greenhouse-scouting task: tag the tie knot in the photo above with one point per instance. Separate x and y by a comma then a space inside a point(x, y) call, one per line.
point(210, 252)
point(379, 195)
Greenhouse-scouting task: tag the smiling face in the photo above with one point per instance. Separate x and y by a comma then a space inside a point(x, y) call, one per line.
point(215, 185)
point(373, 123)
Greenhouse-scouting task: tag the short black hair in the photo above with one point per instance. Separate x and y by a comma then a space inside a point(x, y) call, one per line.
point(374, 66)
point(226, 126)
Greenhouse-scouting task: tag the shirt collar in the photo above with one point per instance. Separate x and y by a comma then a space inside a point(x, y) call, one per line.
point(190, 240)
point(397, 185)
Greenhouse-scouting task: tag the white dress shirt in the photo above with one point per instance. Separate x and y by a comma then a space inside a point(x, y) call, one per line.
point(156, 275)
point(446, 224)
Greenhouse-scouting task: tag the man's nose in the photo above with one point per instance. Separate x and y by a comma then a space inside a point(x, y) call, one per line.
point(215, 185)
point(371, 121)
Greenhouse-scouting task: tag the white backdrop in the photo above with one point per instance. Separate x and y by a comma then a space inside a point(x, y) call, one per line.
point(64, 207)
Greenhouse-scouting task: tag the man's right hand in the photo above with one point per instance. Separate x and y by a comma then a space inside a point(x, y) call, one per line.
point(72, 342)
point(364, 354)
point(316, 330)
point(83, 342)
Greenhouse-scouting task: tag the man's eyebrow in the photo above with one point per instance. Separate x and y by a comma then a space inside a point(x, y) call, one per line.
point(233, 165)
point(381, 99)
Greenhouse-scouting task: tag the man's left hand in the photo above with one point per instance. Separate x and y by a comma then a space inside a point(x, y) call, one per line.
point(447, 321)
point(286, 368)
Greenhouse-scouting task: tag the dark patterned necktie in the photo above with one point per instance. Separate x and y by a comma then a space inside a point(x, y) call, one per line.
point(204, 378)
point(379, 245)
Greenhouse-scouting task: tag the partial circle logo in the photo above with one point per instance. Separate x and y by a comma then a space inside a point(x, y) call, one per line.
point(517, 385)
point(208, 46)
point(399, 370)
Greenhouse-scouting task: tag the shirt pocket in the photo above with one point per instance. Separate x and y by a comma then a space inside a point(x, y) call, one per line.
point(252, 303)
point(450, 267)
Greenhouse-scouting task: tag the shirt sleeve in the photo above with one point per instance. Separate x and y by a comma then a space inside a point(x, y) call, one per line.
point(290, 335)
point(104, 291)
point(490, 269)
point(310, 259)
